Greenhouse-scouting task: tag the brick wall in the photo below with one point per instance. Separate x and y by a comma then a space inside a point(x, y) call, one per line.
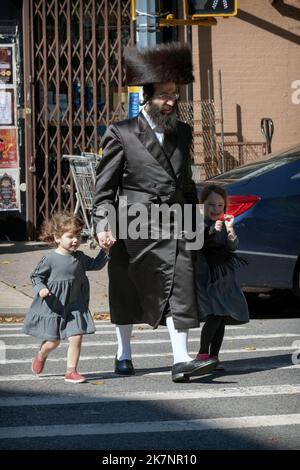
point(258, 53)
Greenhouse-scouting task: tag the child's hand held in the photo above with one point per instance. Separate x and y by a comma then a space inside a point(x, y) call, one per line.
point(218, 225)
point(106, 239)
point(44, 292)
point(229, 220)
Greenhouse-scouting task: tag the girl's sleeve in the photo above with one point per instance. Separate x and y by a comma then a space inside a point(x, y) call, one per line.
point(94, 264)
point(216, 237)
point(233, 244)
point(40, 275)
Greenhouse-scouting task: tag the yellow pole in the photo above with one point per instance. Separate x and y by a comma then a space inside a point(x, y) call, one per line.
point(133, 10)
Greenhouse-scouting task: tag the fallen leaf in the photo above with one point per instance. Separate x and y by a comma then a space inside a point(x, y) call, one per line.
point(101, 316)
point(14, 319)
point(250, 348)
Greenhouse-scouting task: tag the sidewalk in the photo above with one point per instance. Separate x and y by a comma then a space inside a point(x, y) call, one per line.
point(18, 260)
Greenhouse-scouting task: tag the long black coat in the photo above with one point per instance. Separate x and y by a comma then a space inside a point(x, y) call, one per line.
point(144, 275)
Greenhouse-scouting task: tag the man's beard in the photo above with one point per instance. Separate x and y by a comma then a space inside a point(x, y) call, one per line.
point(165, 123)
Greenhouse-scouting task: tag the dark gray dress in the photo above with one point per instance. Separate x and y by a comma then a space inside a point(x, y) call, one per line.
point(65, 312)
point(218, 292)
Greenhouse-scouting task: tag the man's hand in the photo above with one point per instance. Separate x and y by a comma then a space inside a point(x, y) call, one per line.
point(229, 221)
point(106, 240)
point(44, 292)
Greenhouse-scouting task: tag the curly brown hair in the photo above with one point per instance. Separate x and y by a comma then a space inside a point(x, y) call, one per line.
point(213, 188)
point(58, 224)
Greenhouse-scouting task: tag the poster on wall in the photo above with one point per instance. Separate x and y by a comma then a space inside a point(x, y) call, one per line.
point(7, 115)
point(9, 189)
point(8, 148)
point(6, 65)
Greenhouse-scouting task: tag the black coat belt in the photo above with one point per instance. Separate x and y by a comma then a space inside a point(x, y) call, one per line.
point(144, 197)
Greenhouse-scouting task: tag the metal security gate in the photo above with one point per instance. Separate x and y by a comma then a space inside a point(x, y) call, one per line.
point(203, 117)
point(74, 79)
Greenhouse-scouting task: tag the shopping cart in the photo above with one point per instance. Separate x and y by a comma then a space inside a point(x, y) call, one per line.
point(83, 172)
point(94, 159)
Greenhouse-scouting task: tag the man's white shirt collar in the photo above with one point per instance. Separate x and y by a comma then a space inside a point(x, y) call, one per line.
point(159, 135)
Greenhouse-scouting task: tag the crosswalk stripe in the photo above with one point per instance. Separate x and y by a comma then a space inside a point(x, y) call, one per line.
point(133, 341)
point(113, 332)
point(142, 374)
point(243, 422)
point(209, 393)
point(137, 355)
point(142, 326)
point(19, 328)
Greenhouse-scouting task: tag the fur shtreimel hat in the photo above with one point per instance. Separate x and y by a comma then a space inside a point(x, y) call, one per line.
point(170, 62)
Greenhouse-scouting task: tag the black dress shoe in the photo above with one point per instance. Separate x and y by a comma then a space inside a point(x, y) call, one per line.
point(124, 367)
point(182, 371)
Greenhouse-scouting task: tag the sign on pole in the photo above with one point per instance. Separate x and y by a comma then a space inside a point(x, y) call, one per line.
point(205, 8)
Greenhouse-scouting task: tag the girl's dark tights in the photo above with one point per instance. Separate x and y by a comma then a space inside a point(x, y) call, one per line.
point(212, 335)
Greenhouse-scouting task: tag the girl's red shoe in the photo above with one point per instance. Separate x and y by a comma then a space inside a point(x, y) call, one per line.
point(74, 378)
point(202, 357)
point(37, 364)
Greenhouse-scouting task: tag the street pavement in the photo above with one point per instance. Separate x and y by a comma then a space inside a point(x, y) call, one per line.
point(253, 404)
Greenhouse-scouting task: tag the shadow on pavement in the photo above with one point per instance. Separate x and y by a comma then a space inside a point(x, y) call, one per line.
point(286, 307)
point(33, 425)
point(248, 366)
point(21, 247)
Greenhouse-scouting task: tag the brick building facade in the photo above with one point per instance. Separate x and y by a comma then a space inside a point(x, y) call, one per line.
point(259, 55)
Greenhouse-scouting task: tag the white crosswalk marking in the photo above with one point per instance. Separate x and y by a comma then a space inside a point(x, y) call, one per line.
point(259, 391)
point(100, 374)
point(150, 426)
point(101, 357)
point(110, 329)
point(161, 396)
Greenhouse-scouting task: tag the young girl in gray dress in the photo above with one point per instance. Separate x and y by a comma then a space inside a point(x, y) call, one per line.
point(60, 308)
point(219, 296)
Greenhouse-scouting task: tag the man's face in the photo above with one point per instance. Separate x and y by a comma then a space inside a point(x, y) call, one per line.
point(162, 107)
point(165, 97)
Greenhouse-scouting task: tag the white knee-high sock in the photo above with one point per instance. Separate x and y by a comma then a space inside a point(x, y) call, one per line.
point(123, 336)
point(179, 342)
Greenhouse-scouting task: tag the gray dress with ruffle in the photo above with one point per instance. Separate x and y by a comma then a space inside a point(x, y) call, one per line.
point(65, 312)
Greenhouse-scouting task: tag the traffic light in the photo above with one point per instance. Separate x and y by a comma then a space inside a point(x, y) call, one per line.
point(206, 8)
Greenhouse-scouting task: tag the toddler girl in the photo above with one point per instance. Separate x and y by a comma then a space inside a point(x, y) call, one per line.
point(60, 308)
